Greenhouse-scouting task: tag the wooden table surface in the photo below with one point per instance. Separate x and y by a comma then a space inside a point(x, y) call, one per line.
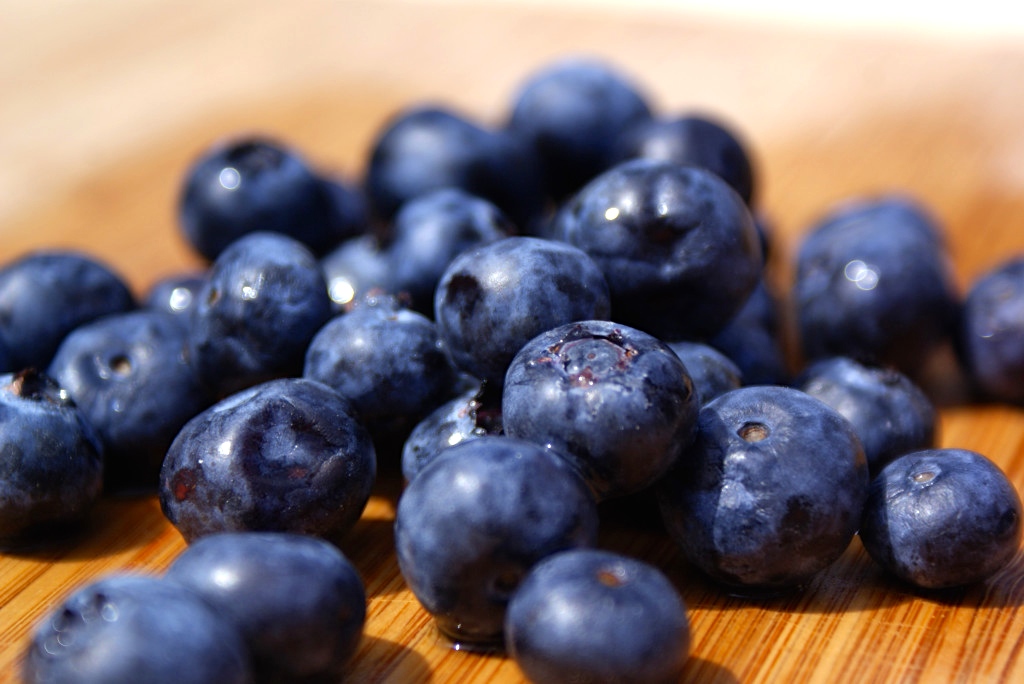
point(105, 103)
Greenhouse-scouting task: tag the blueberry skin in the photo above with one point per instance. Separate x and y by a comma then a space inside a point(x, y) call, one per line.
point(990, 338)
point(616, 401)
point(429, 147)
point(297, 601)
point(431, 230)
point(357, 267)
point(873, 282)
point(695, 140)
point(350, 212)
point(125, 629)
point(253, 184)
point(571, 112)
point(265, 300)
point(386, 359)
point(890, 414)
point(45, 295)
point(176, 293)
point(131, 377)
point(753, 340)
point(288, 455)
point(940, 518)
point(6, 365)
point(51, 462)
point(495, 298)
point(589, 615)
point(471, 524)
point(713, 373)
point(676, 244)
point(771, 491)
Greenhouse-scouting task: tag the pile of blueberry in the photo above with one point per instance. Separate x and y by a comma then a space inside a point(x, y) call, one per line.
point(523, 321)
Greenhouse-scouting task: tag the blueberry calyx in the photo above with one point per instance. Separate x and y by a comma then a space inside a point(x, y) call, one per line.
point(34, 385)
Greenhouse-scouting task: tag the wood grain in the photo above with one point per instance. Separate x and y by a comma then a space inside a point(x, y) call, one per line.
point(106, 103)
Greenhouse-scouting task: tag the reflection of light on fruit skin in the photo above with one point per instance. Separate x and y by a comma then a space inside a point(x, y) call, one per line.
point(229, 178)
point(180, 299)
point(863, 275)
point(611, 214)
point(341, 291)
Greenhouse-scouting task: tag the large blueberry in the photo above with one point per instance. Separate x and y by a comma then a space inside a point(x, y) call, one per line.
point(676, 244)
point(873, 282)
point(297, 601)
point(771, 491)
point(131, 377)
point(127, 629)
point(264, 301)
point(252, 184)
point(45, 295)
point(474, 520)
point(428, 147)
point(571, 112)
point(51, 462)
point(589, 615)
point(616, 401)
point(288, 455)
point(891, 415)
point(990, 339)
point(713, 373)
point(494, 298)
point(941, 518)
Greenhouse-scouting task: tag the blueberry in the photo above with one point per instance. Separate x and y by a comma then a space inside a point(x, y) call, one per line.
point(713, 373)
point(940, 518)
point(589, 615)
point(891, 415)
point(350, 212)
point(431, 230)
point(873, 283)
point(429, 147)
point(676, 244)
point(51, 462)
point(771, 491)
point(264, 301)
point(990, 339)
point(297, 601)
point(288, 455)
point(571, 112)
point(384, 358)
point(125, 629)
point(176, 293)
point(45, 295)
point(753, 339)
point(131, 378)
point(6, 365)
point(494, 298)
point(356, 268)
point(616, 401)
point(474, 520)
point(252, 184)
point(695, 140)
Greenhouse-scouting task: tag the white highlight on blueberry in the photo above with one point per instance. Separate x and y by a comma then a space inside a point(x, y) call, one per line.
point(180, 299)
point(341, 291)
point(224, 448)
point(863, 275)
point(229, 178)
point(611, 214)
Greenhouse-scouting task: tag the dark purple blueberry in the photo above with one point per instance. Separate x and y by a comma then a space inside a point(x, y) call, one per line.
point(676, 244)
point(571, 112)
point(288, 455)
point(264, 301)
point(297, 601)
point(253, 184)
point(712, 372)
point(494, 298)
point(6, 365)
point(127, 629)
point(176, 293)
point(384, 358)
point(131, 377)
point(428, 147)
point(46, 295)
point(990, 340)
point(771, 491)
point(614, 400)
point(356, 268)
point(940, 518)
point(589, 615)
point(890, 414)
point(467, 416)
point(350, 214)
point(473, 522)
point(873, 282)
point(753, 340)
point(431, 230)
point(695, 140)
point(51, 462)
